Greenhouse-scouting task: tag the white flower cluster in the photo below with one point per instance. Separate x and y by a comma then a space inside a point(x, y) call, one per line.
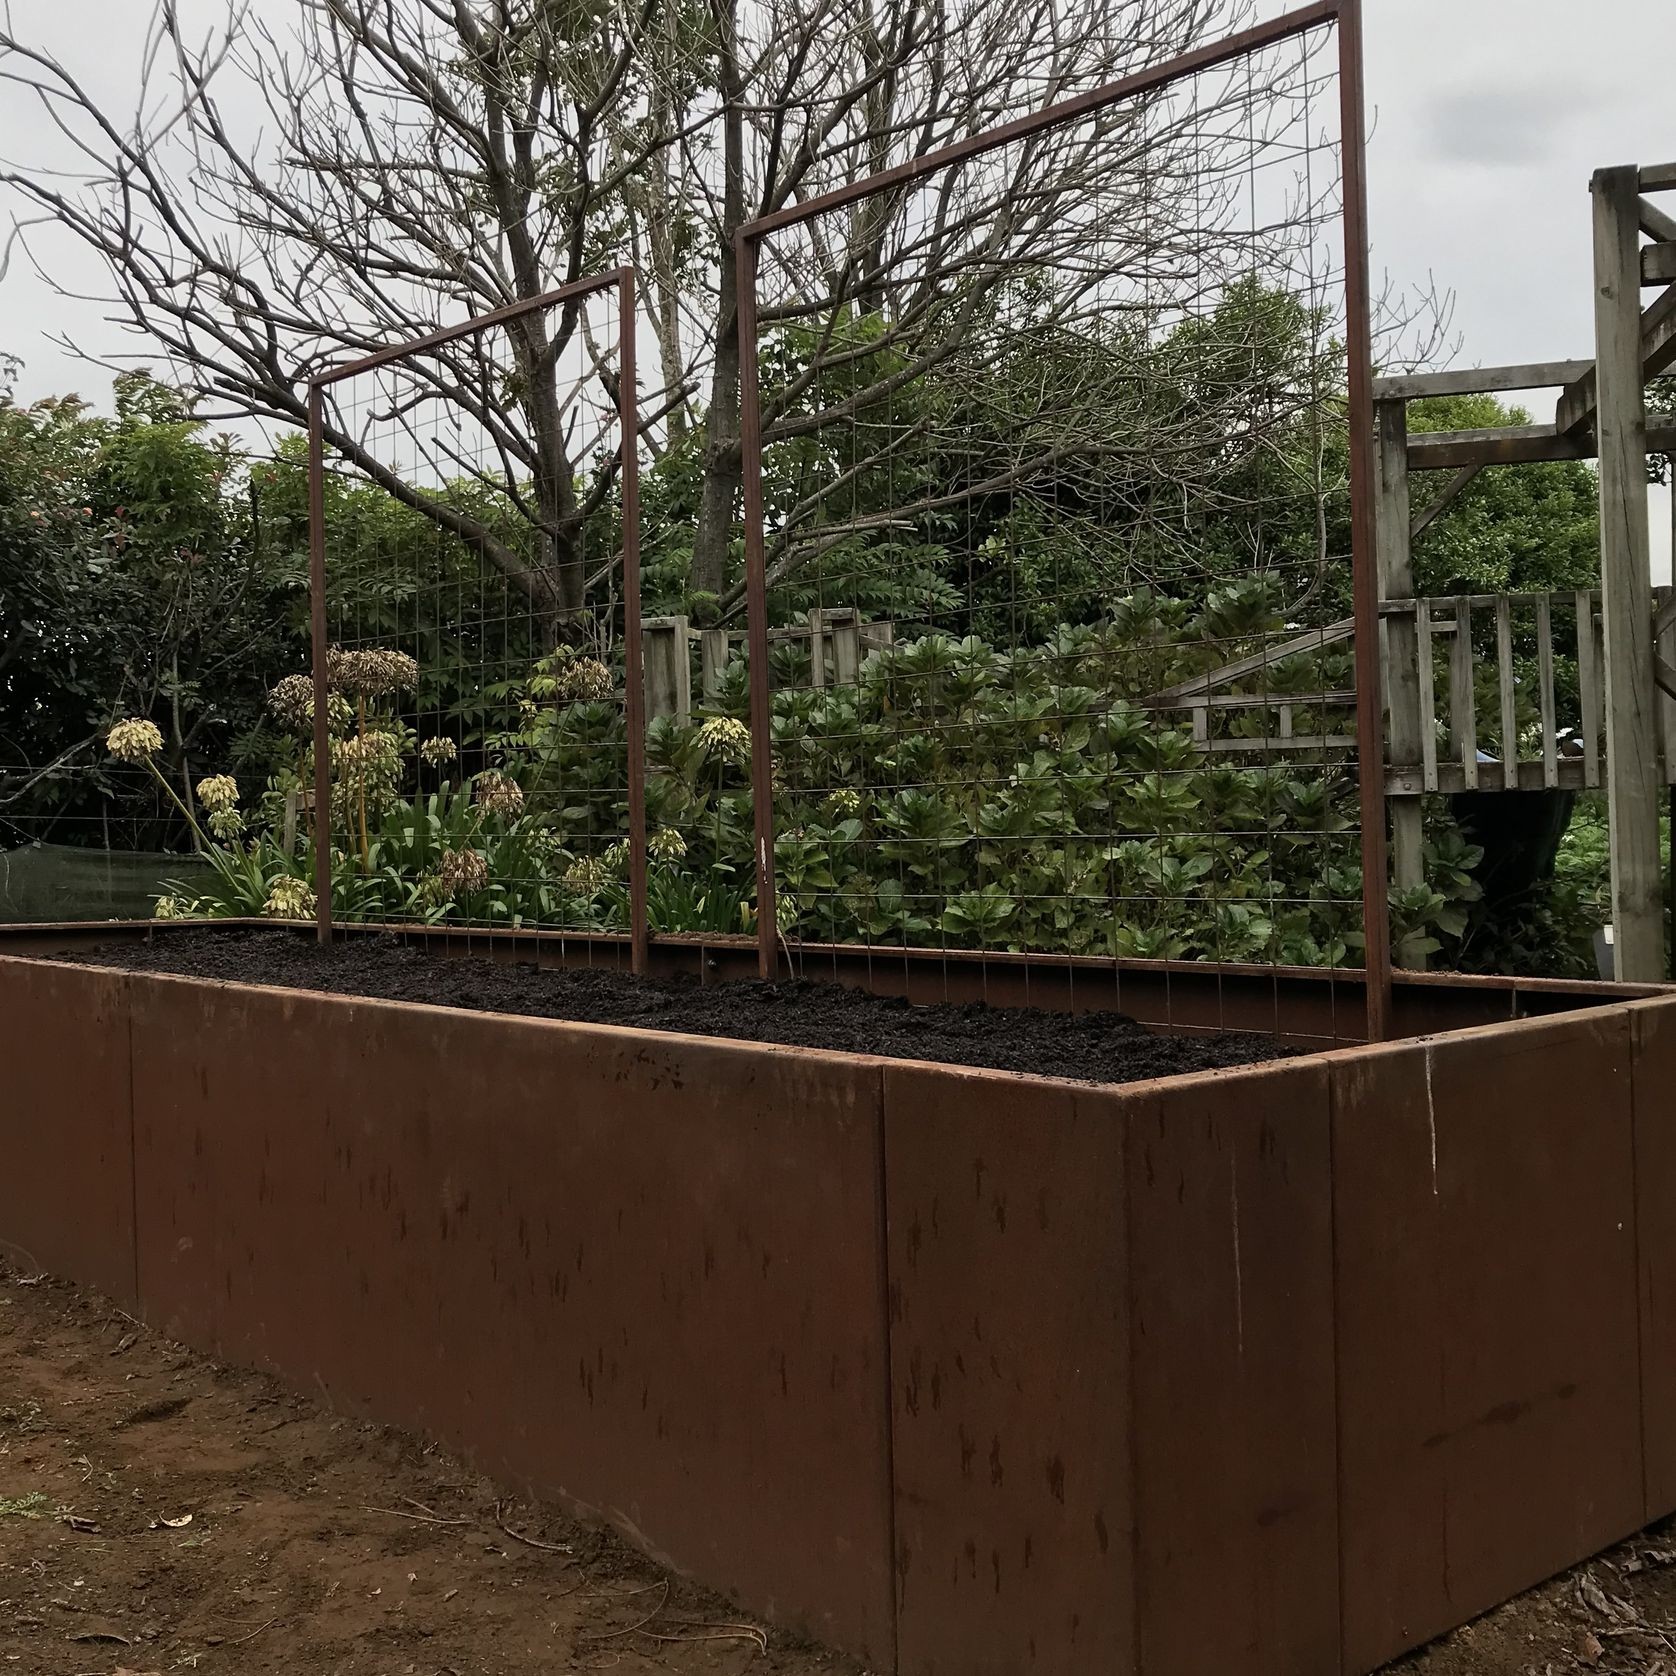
point(371, 673)
point(462, 872)
point(726, 738)
point(585, 875)
point(134, 741)
point(844, 803)
point(666, 844)
point(498, 794)
point(292, 702)
point(289, 898)
point(171, 907)
point(218, 792)
point(582, 679)
point(438, 750)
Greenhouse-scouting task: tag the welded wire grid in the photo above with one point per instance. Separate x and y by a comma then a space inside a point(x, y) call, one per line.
point(480, 641)
point(1056, 541)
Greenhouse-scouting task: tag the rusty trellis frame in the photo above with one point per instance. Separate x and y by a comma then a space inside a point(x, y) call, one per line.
point(623, 281)
point(1346, 15)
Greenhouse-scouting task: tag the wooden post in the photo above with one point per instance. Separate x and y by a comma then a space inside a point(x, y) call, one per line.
point(712, 660)
point(1632, 758)
point(668, 670)
point(1393, 545)
point(843, 630)
point(817, 647)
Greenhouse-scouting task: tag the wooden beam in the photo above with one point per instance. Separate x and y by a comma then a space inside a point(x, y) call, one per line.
point(1633, 769)
point(1514, 445)
point(1201, 684)
point(1658, 264)
point(1451, 492)
point(1658, 351)
point(1661, 177)
point(1478, 381)
point(1656, 223)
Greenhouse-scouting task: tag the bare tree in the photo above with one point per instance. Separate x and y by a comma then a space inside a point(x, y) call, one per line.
point(422, 159)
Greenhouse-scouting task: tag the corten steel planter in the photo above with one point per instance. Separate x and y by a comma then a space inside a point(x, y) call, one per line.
point(1283, 1369)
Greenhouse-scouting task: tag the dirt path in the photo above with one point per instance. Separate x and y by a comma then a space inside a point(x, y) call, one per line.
point(159, 1514)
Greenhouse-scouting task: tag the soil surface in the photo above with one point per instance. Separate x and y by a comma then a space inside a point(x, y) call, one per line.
point(161, 1513)
point(1093, 1047)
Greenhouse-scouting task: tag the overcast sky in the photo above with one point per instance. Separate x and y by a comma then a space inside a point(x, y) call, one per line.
point(1490, 117)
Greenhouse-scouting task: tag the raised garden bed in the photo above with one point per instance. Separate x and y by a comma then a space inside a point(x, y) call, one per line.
point(1091, 1046)
point(1280, 1369)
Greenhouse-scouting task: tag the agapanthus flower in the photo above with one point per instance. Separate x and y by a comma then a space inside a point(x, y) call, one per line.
point(462, 872)
point(498, 794)
point(724, 737)
point(844, 803)
point(438, 750)
point(369, 673)
point(614, 858)
point(582, 679)
point(292, 703)
point(218, 792)
point(584, 876)
point(134, 741)
point(666, 844)
point(226, 824)
point(170, 907)
point(375, 755)
point(289, 898)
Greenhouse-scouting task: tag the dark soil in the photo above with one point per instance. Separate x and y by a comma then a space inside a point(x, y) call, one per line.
point(1092, 1047)
point(160, 1513)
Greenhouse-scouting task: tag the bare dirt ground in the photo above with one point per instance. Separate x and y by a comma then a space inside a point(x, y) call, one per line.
point(159, 1513)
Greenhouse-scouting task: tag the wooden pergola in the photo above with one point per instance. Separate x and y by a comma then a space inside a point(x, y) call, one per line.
point(1601, 415)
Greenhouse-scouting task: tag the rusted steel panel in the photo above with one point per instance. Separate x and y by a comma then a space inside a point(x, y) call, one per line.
point(1231, 1249)
point(641, 1274)
point(1489, 1391)
point(1010, 1375)
point(66, 1138)
point(1653, 1046)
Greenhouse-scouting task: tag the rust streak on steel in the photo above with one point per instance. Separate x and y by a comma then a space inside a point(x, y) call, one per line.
point(756, 607)
point(322, 811)
point(1370, 732)
point(1207, 57)
point(634, 697)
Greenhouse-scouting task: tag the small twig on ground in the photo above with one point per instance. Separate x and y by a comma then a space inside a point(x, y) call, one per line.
point(254, 1633)
point(718, 1632)
point(528, 1541)
point(639, 1624)
point(417, 1518)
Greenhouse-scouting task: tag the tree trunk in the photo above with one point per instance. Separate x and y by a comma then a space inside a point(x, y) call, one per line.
point(713, 536)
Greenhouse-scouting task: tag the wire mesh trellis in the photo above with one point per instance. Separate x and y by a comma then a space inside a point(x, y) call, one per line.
point(475, 734)
point(1081, 407)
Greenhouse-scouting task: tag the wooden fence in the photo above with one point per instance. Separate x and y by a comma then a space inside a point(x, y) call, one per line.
point(838, 640)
